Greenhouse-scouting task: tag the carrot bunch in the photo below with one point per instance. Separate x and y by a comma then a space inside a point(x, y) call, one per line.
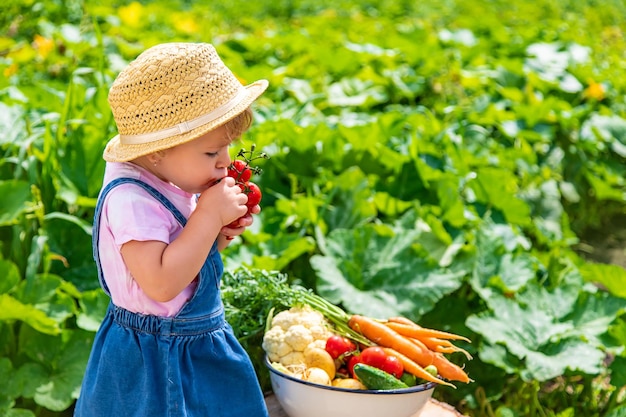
point(415, 346)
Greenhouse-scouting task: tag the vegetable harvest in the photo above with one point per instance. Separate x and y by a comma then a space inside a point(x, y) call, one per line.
point(381, 334)
point(397, 348)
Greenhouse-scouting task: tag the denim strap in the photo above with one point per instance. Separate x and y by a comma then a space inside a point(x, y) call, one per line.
point(98, 213)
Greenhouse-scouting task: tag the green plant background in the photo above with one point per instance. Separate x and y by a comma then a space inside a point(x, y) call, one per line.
point(465, 166)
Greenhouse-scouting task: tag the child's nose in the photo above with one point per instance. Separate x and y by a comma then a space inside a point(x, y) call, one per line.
point(224, 161)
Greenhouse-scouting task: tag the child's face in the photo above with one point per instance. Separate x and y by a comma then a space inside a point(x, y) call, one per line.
point(196, 165)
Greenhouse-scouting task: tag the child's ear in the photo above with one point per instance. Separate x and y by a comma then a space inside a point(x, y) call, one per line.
point(155, 157)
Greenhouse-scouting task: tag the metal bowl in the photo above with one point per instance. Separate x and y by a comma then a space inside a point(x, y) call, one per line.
point(300, 398)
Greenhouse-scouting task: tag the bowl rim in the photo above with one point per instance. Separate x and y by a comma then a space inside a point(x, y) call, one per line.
point(416, 388)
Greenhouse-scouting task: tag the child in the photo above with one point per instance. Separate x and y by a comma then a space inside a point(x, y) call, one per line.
point(164, 348)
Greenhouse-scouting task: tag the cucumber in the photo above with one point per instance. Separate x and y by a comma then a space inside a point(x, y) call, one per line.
point(409, 379)
point(374, 378)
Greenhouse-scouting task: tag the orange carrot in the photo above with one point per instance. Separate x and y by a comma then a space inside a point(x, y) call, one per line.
point(413, 368)
point(443, 346)
point(403, 320)
point(384, 336)
point(418, 332)
point(426, 352)
point(449, 370)
point(433, 343)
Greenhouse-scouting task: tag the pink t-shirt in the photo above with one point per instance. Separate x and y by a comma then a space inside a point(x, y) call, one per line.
point(131, 213)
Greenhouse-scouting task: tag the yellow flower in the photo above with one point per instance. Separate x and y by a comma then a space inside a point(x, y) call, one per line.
point(43, 46)
point(132, 14)
point(594, 91)
point(186, 25)
point(10, 70)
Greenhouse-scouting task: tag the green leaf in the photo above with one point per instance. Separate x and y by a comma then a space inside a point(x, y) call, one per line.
point(69, 238)
point(611, 129)
point(65, 379)
point(8, 392)
point(86, 226)
point(19, 412)
point(514, 272)
point(350, 202)
point(548, 209)
point(28, 378)
point(557, 358)
point(45, 292)
point(495, 248)
point(450, 201)
point(603, 189)
point(355, 92)
point(10, 276)
point(379, 275)
point(548, 347)
point(498, 187)
point(15, 200)
point(390, 205)
point(12, 309)
point(618, 371)
point(593, 314)
point(93, 307)
point(499, 356)
point(11, 124)
point(620, 411)
point(64, 357)
point(611, 277)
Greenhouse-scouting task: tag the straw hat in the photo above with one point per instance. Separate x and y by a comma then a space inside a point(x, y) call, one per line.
point(171, 94)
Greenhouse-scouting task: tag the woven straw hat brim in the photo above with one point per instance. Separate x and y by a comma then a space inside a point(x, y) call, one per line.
point(118, 152)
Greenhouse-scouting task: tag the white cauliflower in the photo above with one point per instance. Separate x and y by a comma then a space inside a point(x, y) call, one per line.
point(319, 332)
point(293, 358)
point(292, 332)
point(274, 344)
point(298, 315)
point(317, 343)
point(298, 337)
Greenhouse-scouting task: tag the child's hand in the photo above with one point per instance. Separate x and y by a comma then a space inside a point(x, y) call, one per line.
point(225, 200)
point(231, 231)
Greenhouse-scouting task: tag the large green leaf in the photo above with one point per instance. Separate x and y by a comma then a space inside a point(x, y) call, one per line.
point(14, 200)
point(46, 292)
point(64, 358)
point(12, 309)
point(499, 188)
point(380, 275)
point(548, 345)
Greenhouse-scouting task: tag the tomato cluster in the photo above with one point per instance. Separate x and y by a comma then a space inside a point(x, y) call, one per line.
point(376, 357)
point(242, 172)
point(343, 349)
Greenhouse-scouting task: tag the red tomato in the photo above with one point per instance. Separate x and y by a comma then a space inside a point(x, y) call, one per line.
point(354, 359)
point(374, 356)
point(239, 170)
point(393, 366)
point(234, 224)
point(254, 194)
point(338, 345)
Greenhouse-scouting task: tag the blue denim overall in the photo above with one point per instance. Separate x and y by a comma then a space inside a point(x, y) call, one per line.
point(189, 365)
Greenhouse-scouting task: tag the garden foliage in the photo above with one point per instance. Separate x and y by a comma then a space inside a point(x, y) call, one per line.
point(436, 159)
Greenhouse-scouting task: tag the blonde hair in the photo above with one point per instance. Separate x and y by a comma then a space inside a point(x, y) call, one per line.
point(238, 125)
